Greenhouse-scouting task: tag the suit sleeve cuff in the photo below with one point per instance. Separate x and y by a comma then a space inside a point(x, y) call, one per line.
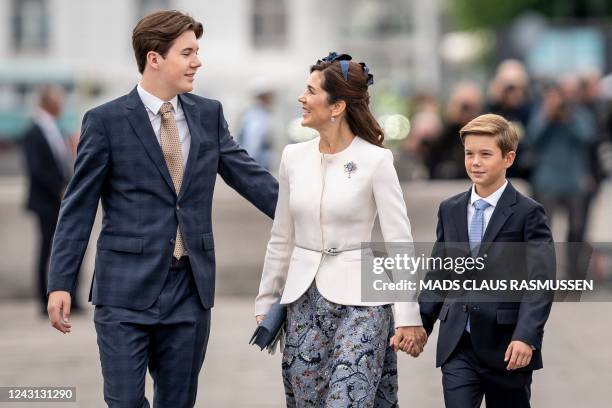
point(407, 314)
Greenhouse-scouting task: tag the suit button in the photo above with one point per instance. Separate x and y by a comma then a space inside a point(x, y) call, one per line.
point(465, 308)
point(171, 241)
point(178, 207)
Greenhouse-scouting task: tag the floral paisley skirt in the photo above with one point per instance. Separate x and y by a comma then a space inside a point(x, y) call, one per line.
point(338, 356)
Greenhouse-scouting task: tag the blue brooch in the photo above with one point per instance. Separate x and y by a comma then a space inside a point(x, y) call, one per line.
point(350, 167)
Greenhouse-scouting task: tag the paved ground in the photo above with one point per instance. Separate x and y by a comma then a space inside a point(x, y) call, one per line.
point(577, 357)
point(577, 352)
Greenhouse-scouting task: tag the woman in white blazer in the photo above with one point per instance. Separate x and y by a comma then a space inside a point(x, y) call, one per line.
point(339, 351)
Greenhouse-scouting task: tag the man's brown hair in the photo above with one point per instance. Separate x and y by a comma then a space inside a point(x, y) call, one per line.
point(157, 32)
point(493, 126)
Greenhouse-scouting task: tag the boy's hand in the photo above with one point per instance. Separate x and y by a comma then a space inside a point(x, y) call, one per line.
point(518, 354)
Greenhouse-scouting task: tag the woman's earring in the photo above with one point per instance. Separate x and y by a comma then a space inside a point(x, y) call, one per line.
point(333, 119)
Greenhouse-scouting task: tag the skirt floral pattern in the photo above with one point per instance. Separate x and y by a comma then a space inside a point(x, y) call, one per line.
point(338, 356)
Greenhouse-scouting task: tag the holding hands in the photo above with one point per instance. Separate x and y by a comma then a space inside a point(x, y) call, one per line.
point(409, 339)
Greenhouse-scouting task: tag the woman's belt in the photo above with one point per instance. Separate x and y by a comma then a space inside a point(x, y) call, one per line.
point(330, 251)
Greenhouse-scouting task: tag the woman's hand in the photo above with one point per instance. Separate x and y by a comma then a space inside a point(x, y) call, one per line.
point(409, 339)
point(259, 319)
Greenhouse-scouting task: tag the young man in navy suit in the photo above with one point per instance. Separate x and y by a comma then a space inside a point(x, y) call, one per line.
point(152, 158)
point(489, 346)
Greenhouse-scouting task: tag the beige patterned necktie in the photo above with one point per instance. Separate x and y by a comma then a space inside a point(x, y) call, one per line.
point(171, 147)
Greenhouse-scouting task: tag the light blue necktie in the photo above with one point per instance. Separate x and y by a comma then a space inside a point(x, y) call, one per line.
point(476, 232)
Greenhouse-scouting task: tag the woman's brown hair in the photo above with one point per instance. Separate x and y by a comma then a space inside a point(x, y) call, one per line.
point(353, 91)
point(157, 32)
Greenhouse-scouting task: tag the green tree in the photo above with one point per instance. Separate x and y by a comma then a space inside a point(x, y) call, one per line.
point(472, 14)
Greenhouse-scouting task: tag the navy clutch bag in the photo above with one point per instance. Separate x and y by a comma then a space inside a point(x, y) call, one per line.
point(272, 330)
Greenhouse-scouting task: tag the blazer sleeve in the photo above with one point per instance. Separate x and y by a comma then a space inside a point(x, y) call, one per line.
point(242, 173)
point(395, 227)
point(280, 246)
point(541, 265)
point(431, 301)
point(79, 206)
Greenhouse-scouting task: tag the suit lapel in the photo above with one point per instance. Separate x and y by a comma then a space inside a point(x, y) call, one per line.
point(459, 245)
point(139, 120)
point(196, 131)
point(501, 213)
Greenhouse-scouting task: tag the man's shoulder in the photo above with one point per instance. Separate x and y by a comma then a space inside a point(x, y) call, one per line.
point(203, 103)
point(33, 132)
point(118, 105)
point(108, 108)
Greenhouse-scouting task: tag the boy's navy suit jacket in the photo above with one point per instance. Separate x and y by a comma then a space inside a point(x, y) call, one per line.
point(495, 320)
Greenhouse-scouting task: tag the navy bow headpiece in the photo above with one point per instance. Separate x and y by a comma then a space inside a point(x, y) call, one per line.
point(344, 65)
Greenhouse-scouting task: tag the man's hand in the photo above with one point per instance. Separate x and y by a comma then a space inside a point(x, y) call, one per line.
point(518, 354)
point(410, 339)
point(58, 308)
point(259, 319)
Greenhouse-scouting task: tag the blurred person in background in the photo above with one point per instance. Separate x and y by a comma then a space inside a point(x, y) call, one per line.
point(605, 148)
point(509, 97)
point(256, 132)
point(425, 130)
point(49, 167)
point(508, 92)
point(444, 158)
point(562, 134)
point(589, 96)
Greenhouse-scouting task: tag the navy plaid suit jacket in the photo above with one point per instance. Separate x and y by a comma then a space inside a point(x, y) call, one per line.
point(120, 162)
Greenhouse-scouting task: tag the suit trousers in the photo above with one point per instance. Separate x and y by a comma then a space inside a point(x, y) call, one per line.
point(169, 338)
point(466, 381)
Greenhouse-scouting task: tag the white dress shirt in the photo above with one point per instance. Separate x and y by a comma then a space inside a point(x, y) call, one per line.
point(488, 212)
point(153, 104)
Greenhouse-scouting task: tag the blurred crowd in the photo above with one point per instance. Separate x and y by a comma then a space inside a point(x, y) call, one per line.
point(564, 125)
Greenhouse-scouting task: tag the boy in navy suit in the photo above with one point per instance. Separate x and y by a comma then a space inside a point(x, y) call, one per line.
point(489, 347)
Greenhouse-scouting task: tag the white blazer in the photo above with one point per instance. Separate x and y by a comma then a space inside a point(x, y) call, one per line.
point(322, 205)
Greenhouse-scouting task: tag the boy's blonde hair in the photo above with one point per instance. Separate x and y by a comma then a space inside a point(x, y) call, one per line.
point(493, 126)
